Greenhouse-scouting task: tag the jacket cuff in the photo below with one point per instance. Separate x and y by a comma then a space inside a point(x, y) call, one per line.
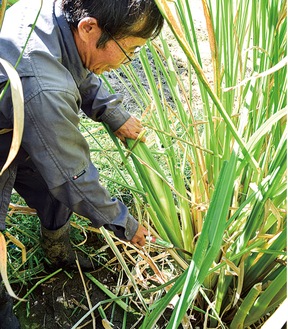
point(131, 227)
point(116, 118)
point(124, 233)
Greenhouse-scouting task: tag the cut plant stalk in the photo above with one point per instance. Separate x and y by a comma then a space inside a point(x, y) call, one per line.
point(165, 244)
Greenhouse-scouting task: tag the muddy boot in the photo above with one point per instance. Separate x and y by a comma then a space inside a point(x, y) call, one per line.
point(7, 318)
point(57, 247)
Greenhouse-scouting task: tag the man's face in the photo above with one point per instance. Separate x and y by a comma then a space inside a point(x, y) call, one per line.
point(99, 60)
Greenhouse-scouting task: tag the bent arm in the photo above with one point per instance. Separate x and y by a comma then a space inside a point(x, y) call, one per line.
point(61, 154)
point(99, 105)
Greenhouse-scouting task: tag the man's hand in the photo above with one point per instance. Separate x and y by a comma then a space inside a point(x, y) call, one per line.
point(139, 238)
point(130, 129)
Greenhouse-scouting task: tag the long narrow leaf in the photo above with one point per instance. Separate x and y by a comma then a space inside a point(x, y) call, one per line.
point(18, 106)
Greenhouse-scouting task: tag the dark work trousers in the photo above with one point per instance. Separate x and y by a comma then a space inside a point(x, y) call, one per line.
point(7, 318)
point(27, 181)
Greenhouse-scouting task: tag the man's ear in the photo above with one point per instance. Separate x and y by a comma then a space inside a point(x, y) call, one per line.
point(87, 28)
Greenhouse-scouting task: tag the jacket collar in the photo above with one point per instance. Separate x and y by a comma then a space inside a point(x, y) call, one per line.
point(71, 59)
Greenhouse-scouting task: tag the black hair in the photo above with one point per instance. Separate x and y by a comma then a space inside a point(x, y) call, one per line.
point(116, 18)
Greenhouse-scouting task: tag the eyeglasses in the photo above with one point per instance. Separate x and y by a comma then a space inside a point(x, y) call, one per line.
point(130, 58)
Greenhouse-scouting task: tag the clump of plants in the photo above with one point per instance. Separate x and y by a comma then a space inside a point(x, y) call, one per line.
point(210, 180)
point(214, 183)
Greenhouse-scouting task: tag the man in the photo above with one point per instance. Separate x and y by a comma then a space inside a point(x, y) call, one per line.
point(71, 42)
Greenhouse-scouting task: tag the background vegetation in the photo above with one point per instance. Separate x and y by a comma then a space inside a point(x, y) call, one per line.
point(211, 182)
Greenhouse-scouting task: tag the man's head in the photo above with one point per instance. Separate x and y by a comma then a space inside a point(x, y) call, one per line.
point(116, 27)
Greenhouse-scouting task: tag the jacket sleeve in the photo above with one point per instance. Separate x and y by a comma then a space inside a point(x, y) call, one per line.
point(99, 105)
point(61, 154)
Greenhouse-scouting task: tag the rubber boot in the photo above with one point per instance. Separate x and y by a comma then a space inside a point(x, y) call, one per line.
point(8, 319)
point(57, 247)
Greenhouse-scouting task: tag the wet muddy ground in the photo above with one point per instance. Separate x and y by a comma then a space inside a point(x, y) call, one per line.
point(60, 301)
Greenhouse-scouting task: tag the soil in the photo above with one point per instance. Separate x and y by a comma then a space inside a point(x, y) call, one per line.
point(61, 301)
